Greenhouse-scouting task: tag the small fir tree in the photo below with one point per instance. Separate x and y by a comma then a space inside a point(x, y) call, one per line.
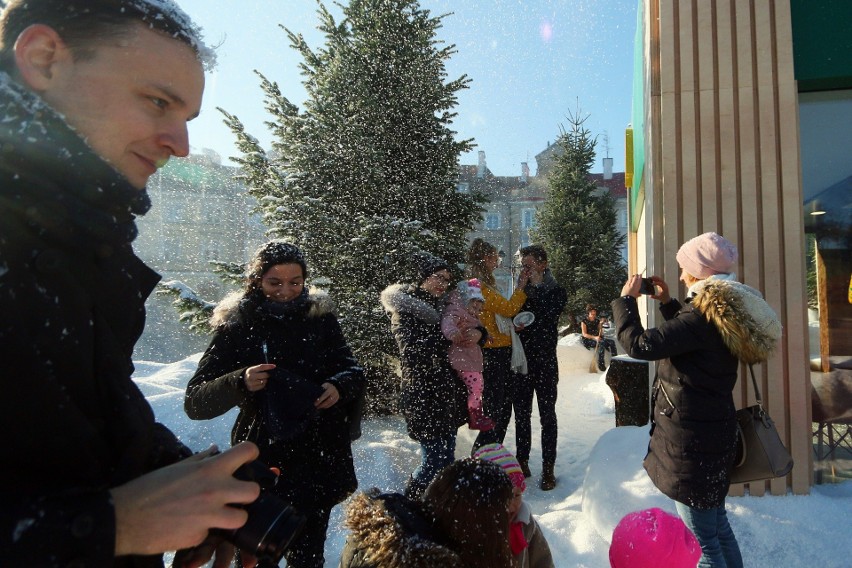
point(363, 178)
point(577, 226)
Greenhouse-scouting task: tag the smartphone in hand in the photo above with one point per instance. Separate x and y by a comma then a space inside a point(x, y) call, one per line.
point(647, 287)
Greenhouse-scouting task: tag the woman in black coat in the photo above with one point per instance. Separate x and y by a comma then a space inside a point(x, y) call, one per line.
point(700, 346)
point(279, 354)
point(432, 398)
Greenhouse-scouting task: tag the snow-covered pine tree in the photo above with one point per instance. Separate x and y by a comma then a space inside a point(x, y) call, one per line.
point(363, 178)
point(577, 226)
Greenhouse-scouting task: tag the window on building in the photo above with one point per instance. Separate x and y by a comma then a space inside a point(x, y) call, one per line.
point(492, 221)
point(463, 187)
point(528, 219)
point(827, 194)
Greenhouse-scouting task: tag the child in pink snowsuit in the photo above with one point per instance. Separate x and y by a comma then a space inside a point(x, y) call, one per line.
point(461, 325)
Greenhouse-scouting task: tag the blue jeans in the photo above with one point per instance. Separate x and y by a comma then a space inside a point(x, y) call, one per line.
point(435, 455)
point(719, 548)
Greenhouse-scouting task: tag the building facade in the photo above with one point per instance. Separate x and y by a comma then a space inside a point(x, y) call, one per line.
point(199, 214)
point(513, 201)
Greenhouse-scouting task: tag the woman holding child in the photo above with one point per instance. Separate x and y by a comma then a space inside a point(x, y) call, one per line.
point(432, 398)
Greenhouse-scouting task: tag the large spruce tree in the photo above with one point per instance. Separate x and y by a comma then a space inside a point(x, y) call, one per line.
point(363, 178)
point(577, 225)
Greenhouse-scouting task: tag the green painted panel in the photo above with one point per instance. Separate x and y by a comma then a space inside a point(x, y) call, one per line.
point(822, 44)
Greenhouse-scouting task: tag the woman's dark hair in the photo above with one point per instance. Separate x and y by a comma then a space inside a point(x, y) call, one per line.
point(269, 255)
point(83, 23)
point(479, 249)
point(469, 502)
point(590, 307)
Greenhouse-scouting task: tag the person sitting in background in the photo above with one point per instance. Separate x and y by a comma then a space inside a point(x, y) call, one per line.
point(527, 542)
point(461, 522)
point(592, 331)
point(460, 324)
point(653, 538)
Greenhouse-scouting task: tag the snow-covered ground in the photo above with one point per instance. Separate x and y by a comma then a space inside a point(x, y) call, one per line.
point(599, 474)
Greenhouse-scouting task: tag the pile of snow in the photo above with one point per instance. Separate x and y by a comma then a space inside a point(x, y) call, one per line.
point(599, 474)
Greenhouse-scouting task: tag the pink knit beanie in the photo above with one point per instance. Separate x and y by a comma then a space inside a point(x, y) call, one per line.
point(706, 255)
point(653, 538)
point(501, 456)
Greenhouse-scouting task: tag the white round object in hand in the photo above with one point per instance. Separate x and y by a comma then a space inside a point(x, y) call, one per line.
point(523, 319)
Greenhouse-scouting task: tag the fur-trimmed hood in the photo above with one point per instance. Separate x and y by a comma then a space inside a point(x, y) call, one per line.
point(749, 326)
point(401, 298)
point(229, 311)
point(390, 531)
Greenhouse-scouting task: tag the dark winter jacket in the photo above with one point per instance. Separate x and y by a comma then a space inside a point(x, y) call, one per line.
point(546, 300)
point(306, 340)
point(391, 531)
point(432, 398)
point(693, 432)
point(72, 297)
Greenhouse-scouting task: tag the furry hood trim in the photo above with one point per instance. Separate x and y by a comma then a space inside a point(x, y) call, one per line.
point(749, 326)
point(228, 312)
point(397, 299)
point(383, 541)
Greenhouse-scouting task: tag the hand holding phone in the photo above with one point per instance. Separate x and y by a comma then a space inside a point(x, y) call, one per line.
point(647, 287)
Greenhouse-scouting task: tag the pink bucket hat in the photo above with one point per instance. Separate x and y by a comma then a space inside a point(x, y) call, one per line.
point(501, 456)
point(706, 255)
point(652, 538)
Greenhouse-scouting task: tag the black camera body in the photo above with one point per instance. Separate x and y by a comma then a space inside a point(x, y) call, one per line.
point(272, 523)
point(647, 287)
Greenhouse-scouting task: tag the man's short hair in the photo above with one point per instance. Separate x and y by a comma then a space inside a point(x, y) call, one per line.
point(82, 23)
point(535, 251)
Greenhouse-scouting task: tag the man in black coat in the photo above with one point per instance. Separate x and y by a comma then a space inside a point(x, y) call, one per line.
point(546, 300)
point(94, 95)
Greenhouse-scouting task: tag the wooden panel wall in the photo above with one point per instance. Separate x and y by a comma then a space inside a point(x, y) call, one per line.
point(722, 155)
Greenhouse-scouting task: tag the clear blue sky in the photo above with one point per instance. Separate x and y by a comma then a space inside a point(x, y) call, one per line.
point(531, 63)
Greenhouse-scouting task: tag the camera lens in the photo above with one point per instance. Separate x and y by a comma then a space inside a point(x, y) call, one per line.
point(271, 527)
point(272, 523)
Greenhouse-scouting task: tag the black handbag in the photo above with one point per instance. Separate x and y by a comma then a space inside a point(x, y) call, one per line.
point(760, 453)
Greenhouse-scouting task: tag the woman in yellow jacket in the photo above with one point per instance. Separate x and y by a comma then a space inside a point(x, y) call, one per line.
point(482, 260)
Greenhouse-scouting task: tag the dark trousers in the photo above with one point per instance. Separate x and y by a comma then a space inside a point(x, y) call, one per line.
point(307, 551)
point(541, 381)
point(606, 344)
point(497, 395)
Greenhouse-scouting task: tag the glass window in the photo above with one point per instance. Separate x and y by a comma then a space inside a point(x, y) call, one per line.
point(528, 218)
point(492, 221)
point(463, 187)
point(827, 193)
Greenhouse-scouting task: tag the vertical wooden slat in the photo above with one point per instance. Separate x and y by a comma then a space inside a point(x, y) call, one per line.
point(707, 87)
point(796, 349)
point(728, 140)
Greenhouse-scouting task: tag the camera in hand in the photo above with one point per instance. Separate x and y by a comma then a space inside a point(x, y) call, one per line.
point(647, 287)
point(272, 523)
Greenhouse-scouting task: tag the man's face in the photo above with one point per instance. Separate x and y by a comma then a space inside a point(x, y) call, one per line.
point(533, 266)
point(131, 100)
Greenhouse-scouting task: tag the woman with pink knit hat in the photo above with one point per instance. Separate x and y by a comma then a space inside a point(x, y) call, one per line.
point(529, 547)
point(700, 346)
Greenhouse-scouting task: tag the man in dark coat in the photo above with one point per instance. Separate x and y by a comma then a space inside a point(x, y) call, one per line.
point(79, 437)
point(546, 300)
